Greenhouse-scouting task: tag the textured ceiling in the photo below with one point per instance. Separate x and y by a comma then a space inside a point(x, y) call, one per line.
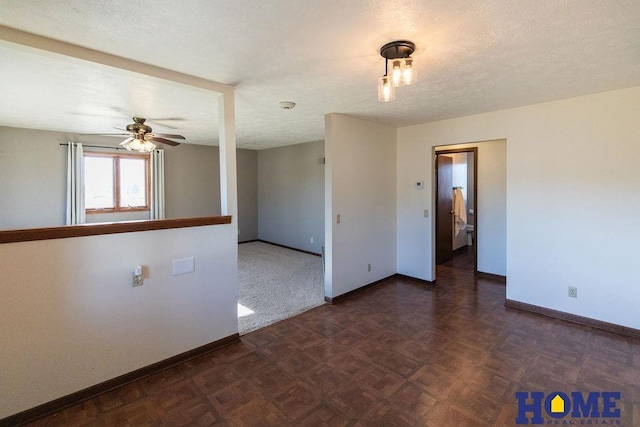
point(472, 57)
point(75, 96)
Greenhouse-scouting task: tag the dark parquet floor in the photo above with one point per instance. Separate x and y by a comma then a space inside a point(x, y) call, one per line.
point(401, 353)
point(461, 262)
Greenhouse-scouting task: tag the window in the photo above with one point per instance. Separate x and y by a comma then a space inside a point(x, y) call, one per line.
point(116, 182)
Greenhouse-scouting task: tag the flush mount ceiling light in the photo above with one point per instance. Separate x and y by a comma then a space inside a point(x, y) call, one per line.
point(402, 68)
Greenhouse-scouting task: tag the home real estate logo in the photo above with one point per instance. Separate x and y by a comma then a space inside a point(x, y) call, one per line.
point(558, 408)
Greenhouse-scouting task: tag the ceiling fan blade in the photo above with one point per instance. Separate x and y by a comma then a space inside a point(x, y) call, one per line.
point(158, 119)
point(164, 125)
point(126, 141)
point(168, 135)
point(106, 134)
point(115, 127)
point(163, 141)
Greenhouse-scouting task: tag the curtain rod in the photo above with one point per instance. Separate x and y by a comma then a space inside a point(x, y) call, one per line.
point(96, 146)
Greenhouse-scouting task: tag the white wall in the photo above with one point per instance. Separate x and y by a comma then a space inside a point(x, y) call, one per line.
point(291, 196)
point(33, 175)
point(70, 318)
point(247, 195)
point(361, 188)
point(192, 181)
point(415, 209)
point(571, 200)
point(471, 203)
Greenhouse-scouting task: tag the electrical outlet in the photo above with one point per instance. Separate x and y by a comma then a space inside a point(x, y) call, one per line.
point(310, 239)
point(369, 267)
point(137, 280)
point(573, 292)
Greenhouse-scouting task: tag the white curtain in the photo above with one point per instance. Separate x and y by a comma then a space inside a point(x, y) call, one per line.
point(157, 184)
point(75, 184)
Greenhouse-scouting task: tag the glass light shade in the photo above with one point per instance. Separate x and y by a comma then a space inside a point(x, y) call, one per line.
point(397, 72)
point(140, 146)
point(409, 73)
point(386, 91)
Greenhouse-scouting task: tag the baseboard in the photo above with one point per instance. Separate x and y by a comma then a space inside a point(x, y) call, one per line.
point(333, 300)
point(415, 279)
point(288, 247)
point(574, 318)
point(491, 276)
point(48, 408)
point(248, 241)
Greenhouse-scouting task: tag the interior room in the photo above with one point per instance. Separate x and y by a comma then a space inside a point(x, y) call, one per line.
point(280, 271)
point(191, 175)
point(289, 126)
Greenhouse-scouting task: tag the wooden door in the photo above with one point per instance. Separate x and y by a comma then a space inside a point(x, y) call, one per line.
point(444, 208)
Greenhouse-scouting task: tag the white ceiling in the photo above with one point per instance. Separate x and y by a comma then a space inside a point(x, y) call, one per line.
point(76, 96)
point(472, 57)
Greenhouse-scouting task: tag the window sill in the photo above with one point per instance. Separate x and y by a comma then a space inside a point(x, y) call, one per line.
point(116, 210)
point(32, 234)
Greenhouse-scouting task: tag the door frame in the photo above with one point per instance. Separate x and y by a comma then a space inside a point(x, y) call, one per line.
point(473, 150)
point(443, 208)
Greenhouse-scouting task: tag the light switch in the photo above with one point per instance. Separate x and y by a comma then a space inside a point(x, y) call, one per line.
point(426, 213)
point(137, 275)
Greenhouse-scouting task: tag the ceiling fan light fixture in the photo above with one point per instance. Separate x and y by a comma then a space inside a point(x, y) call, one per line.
point(139, 145)
point(141, 137)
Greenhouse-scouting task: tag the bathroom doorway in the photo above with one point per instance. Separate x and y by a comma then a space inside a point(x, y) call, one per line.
point(456, 193)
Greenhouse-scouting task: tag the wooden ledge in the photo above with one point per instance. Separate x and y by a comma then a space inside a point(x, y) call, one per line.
point(31, 234)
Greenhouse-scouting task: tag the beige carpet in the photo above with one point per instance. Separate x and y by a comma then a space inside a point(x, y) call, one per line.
point(275, 283)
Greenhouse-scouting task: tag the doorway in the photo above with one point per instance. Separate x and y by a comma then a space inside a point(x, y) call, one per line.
point(456, 194)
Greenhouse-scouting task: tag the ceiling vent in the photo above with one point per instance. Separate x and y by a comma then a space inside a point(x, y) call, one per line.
point(287, 105)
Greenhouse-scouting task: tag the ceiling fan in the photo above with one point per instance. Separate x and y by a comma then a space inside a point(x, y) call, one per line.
point(140, 136)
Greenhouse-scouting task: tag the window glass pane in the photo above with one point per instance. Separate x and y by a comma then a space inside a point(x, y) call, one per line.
point(98, 182)
point(133, 189)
